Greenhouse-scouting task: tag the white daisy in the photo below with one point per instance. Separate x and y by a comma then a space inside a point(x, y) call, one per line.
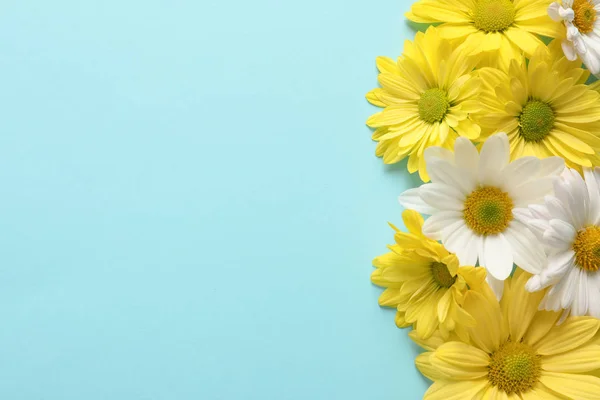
point(583, 30)
point(569, 225)
point(471, 199)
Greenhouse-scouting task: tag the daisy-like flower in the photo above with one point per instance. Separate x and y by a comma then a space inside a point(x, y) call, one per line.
point(427, 97)
point(569, 225)
point(582, 36)
point(471, 201)
point(514, 352)
point(424, 281)
point(545, 108)
point(502, 28)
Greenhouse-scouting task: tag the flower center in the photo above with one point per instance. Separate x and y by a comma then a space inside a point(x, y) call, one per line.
point(493, 15)
point(587, 248)
point(433, 105)
point(488, 211)
point(441, 275)
point(514, 368)
point(536, 120)
point(585, 15)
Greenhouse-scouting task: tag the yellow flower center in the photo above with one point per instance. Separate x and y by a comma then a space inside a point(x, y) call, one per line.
point(585, 15)
point(493, 15)
point(536, 121)
point(433, 105)
point(488, 211)
point(514, 368)
point(441, 275)
point(587, 248)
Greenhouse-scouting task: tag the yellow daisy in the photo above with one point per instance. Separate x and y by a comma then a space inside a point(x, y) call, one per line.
point(515, 351)
point(427, 97)
point(424, 282)
point(545, 108)
point(502, 28)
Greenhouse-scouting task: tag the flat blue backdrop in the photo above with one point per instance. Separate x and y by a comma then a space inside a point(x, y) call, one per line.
point(190, 201)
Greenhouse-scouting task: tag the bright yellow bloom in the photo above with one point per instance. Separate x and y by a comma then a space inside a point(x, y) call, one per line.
point(502, 29)
point(424, 282)
point(514, 352)
point(544, 107)
point(427, 97)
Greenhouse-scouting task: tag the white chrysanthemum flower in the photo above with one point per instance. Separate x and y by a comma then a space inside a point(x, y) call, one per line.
point(583, 30)
point(569, 225)
point(471, 199)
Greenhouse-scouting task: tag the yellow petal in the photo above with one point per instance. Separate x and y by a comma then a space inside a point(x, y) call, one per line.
point(574, 332)
point(522, 306)
point(413, 221)
point(424, 365)
point(583, 359)
point(488, 332)
point(574, 386)
point(460, 390)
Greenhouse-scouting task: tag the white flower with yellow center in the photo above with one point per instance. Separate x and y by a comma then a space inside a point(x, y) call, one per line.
point(471, 199)
point(569, 225)
point(583, 30)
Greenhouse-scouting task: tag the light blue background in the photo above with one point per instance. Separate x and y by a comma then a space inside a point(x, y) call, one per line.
point(190, 201)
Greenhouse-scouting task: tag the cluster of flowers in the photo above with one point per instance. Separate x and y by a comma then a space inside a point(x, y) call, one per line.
point(501, 282)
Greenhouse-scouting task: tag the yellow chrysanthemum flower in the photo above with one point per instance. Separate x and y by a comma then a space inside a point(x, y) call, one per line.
point(427, 97)
point(424, 282)
point(514, 352)
point(545, 108)
point(501, 28)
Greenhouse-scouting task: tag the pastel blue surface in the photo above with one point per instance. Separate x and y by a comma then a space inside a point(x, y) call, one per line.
point(190, 201)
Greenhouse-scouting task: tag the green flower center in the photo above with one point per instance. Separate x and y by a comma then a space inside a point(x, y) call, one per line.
point(493, 15)
point(441, 275)
point(488, 211)
point(587, 248)
point(433, 105)
point(536, 121)
point(514, 368)
point(585, 15)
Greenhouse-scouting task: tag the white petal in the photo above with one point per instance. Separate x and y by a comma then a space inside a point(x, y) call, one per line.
point(552, 166)
point(593, 196)
point(435, 224)
point(443, 197)
point(527, 251)
point(443, 171)
point(534, 284)
point(564, 230)
point(411, 199)
point(467, 156)
point(531, 192)
point(555, 241)
point(594, 301)
point(462, 241)
point(498, 256)
point(522, 214)
point(580, 303)
point(436, 152)
point(556, 209)
point(579, 195)
point(467, 255)
point(519, 172)
point(551, 301)
point(496, 285)
point(538, 227)
point(493, 158)
point(569, 50)
point(558, 13)
point(539, 211)
point(568, 292)
point(558, 266)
